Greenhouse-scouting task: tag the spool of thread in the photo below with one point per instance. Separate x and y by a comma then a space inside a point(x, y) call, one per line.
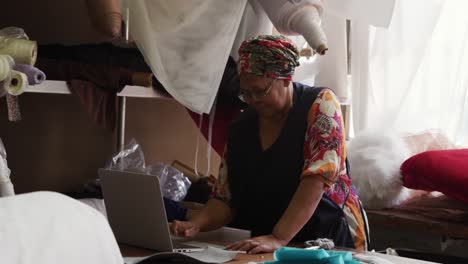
point(6, 64)
point(35, 76)
point(23, 51)
point(18, 84)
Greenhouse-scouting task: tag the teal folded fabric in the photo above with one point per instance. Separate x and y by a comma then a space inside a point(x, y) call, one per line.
point(288, 255)
point(347, 256)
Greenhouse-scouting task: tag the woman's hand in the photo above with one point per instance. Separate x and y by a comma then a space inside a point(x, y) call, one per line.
point(258, 244)
point(184, 229)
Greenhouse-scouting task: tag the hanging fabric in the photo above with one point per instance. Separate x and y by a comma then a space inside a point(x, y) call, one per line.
point(186, 44)
point(371, 12)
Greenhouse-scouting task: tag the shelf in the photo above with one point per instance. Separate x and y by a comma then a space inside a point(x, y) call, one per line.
point(60, 87)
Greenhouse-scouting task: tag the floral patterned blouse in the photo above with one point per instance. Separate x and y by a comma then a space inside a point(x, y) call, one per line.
point(324, 157)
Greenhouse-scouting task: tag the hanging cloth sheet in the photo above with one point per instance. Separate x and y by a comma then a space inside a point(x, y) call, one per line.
point(371, 12)
point(186, 44)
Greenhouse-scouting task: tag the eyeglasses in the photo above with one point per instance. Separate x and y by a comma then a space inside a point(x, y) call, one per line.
point(245, 96)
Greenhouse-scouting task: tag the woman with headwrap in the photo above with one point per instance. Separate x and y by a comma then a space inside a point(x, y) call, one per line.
point(284, 173)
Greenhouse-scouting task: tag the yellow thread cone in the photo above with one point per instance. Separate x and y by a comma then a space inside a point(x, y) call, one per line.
point(23, 51)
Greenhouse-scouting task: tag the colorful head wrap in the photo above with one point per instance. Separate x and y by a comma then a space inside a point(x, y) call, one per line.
point(270, 56)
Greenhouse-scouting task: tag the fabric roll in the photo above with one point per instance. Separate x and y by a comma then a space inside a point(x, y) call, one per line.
point(106, 16)
point(6, 64)
point(103, 53)
point(14, 113)
point(298, 18)
point(23, 51)
point(35, 76)
point(144, 79)
point(18, 84)
point(105, 77)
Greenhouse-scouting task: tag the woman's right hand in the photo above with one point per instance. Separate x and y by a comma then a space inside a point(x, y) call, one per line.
point(184, 229)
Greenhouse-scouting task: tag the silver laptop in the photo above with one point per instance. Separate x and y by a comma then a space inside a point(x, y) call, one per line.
point(135, 210)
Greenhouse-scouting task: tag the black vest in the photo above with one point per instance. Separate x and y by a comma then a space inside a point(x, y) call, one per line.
point(262, 183)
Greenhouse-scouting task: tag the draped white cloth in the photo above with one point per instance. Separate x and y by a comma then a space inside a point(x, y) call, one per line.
point(186, 44)
point(49, 228)
point(416, 70)
point(6, 187)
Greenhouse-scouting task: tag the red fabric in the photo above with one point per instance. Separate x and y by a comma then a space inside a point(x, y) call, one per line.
point(445, 171)
point(223, 116)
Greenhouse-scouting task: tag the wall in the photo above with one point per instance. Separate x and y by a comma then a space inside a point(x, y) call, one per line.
point(51, 21)
point(56, 146)
point(167, 133)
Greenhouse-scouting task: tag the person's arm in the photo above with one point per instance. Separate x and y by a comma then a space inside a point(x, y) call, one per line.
point(300, 209)
point(215, 214)
point(324, 149)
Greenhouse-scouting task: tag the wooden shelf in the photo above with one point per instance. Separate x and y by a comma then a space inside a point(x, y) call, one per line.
point(60, 87)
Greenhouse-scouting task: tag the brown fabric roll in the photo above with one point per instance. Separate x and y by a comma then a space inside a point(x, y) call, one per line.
point(106, 77)
point(142, 79)
point(106, 16)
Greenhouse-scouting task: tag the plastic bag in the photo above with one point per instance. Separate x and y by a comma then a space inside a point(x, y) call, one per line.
point(131, 158)
point(174, 184)
point(6, 187)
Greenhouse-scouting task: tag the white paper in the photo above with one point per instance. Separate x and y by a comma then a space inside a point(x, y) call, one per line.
point(213, 255)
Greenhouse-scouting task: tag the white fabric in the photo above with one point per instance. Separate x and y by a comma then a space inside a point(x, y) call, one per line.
point(254, 22)
point(375, 157)
point(359, 46)
point(377, 13)
point(333, 67)
point(297, 18)
point(48, 228)
point(186, 44)
point(97, 204)
point(307, 71)
point(417, 70)
point(6, 187)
